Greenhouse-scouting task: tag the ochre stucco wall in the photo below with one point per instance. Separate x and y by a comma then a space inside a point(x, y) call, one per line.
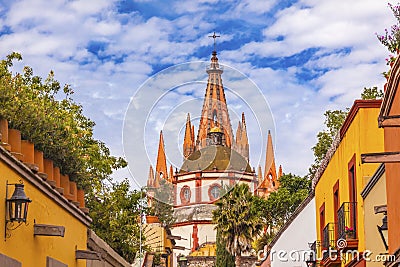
point(362, 136)
point(23, 245)
point(373, 241)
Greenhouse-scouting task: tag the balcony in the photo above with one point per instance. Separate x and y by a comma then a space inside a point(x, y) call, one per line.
point(330, 256)
point(347, 225)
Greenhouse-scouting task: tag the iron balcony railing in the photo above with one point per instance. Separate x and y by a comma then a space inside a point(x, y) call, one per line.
point(328, 239)
point(347, 220)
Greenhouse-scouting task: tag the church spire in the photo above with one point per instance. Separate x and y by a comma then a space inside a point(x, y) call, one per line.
point(270, 168)
point(270, 182)
point(188, 141)
point(161, 167)
point(259, 175)
point(215, 111)
point(150, 180)
point(242, 142)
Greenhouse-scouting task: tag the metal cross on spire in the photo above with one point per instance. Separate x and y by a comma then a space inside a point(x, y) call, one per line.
point(214, 36)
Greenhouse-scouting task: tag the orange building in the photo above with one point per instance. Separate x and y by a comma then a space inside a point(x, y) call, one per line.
point(389, 120)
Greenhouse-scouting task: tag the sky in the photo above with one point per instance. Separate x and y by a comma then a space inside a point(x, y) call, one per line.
point(297, 60)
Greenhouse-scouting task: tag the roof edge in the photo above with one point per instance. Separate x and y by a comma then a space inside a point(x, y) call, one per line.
point(42, 186)
point(373, 181)
point(357, 105)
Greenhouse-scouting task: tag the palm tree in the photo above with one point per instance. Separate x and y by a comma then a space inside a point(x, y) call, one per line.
point(237, 220)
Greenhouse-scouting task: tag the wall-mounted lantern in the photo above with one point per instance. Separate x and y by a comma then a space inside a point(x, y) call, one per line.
point(16, 207)
point(383, 231)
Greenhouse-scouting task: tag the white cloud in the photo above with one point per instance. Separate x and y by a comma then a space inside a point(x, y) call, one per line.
point(55, 35)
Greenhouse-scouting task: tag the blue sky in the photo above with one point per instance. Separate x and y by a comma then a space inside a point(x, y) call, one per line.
point(305, 56)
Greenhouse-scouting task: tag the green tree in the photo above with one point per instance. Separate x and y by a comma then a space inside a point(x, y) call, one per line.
point(224, 258)
point(391, 38)
point(283, 202)
point(163, 203)
point(237, 220)
point(115, 211)
point(280, 205)
point(333, 121)
point(371, 93)
point(46, 114)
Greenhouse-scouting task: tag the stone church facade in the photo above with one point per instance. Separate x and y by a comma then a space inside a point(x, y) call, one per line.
point(212, 159)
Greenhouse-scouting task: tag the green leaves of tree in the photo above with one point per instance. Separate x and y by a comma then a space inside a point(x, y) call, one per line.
point(333, 121)
point(163, 203)
point(280, 205)
point(115, 211)
point(391, 38)
point(48, 116)
point(237, 220)
point(371, 93)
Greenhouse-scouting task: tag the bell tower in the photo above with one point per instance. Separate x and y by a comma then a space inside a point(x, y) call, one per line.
point(215, 110)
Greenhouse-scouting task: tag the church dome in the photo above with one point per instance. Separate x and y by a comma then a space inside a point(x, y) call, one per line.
point(215, 158)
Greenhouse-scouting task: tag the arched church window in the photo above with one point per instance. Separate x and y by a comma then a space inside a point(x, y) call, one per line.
point(185, 194)
point(214, 192)
point(215, 117)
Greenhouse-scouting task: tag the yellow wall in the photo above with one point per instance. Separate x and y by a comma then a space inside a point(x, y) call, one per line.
point(362, 136)
point(156, 239)
point(31, 251)
point(373, 241)
point(205, 250)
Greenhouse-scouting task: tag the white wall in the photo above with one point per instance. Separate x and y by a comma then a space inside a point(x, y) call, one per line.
point(205, 231)
point(192, 185)
point(294, 240)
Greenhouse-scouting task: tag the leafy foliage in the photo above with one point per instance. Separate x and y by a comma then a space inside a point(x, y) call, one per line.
point(371, 93)
point(264, 239)
point(56, 127)
point(163, 203)
point(224, 258)
point(391, 39)
point(115, 211)
point(333, 121)
point(280, 205)
point(46, 114)
point(237, 220)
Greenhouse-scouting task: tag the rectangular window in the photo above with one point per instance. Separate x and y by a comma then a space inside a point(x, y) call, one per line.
point(322, 220)
point(353, 192)
point(336, 206)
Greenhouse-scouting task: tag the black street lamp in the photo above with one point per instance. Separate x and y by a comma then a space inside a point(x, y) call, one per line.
point(16, 206)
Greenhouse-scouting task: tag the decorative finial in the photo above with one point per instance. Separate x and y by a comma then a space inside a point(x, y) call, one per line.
point(214, 36)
